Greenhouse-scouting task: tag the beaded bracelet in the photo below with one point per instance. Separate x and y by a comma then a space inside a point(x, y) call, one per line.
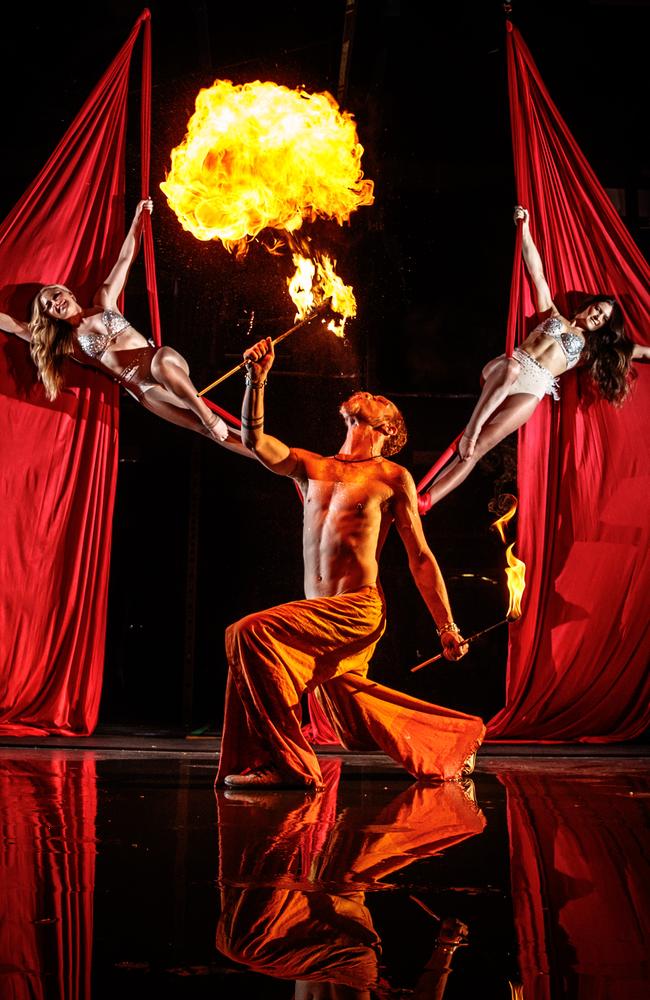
point(250, 381)
point(448, 627)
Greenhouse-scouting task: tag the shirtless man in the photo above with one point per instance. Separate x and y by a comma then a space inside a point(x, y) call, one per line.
point(323, 644)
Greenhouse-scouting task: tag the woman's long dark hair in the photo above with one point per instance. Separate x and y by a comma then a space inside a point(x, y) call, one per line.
point(608, 353)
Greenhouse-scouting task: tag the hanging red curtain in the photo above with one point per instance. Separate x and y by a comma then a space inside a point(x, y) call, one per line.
point(47, 872)
point(577, 665)
point(579, 873)
point(58, 461)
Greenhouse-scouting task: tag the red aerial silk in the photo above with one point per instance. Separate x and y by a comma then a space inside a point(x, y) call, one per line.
point(58, 461)
point(47, 873)
point(579, 873)
point(577, 666)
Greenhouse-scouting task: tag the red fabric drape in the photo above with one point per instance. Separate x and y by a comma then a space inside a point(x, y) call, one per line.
point(58, 461)
point(48, 806)
point(579, 872)
point(577, 666)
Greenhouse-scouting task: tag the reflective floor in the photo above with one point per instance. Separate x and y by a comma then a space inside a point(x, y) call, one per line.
point(125, 875)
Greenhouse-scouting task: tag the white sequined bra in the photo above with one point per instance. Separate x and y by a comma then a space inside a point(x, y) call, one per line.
point(95, 344)
point(571, 343)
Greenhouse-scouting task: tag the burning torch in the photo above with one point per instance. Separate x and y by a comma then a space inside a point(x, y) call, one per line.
point(516, 580)
point(276, 340)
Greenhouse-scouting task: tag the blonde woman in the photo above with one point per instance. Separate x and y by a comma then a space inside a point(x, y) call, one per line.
point(101, 337)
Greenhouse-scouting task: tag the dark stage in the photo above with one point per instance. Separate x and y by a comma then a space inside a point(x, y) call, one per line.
point(128, 875)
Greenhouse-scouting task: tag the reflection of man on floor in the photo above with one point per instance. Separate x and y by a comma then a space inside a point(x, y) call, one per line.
point(294, 876)
point(324, 643)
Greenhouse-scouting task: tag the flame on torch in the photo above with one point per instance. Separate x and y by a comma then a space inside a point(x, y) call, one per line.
point(314, 282)
point(516, 569)
point(516, 577)
point(500, 523)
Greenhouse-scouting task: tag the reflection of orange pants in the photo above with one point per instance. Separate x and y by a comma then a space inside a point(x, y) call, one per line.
point(325, 645)
point(294, 868)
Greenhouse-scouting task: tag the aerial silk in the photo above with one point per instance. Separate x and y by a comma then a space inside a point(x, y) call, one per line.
point(58, 460)
point(579, 875)
point(577, 664)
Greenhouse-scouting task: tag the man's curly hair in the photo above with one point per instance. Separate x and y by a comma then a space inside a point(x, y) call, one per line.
point(396, 441)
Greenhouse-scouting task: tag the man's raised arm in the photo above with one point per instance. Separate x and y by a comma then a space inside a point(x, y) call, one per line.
point(274, 454)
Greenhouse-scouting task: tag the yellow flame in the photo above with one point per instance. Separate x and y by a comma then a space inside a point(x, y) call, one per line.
point(516, 991)
point(314, 281)
point(260, 155)
point(501, 522)
point(516, 577)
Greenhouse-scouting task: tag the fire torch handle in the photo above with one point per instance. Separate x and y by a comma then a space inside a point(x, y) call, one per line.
point(276, 340)
point(470, 638)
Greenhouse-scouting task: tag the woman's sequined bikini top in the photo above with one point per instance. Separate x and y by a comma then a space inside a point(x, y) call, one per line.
point(95, 344)
point(570, 342)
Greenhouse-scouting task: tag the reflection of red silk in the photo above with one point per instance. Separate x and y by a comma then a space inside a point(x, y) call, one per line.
point(579, 875)
point(301, 931)
point(47, 874)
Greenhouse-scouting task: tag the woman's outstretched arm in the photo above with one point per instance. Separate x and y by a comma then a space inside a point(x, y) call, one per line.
point(533, 262)
point(11, 325)
point(111, 290)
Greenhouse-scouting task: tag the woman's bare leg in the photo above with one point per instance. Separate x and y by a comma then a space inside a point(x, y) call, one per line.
point(499, 376)
point(512, 414)
point(175, 414)
point(172, 371)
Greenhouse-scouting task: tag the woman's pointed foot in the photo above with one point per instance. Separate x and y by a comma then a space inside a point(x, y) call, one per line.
point(218, 429)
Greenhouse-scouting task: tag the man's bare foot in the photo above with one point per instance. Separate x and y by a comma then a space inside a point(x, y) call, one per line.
point(466, 446)
point(468, 765)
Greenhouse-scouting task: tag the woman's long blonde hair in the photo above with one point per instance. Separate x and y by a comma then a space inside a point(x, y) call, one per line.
point(52, 340)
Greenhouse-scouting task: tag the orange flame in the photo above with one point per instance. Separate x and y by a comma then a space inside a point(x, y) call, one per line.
point(501, 522)
point(516, 991)
point(260, 155)
point(516, 577)
point(313, 283)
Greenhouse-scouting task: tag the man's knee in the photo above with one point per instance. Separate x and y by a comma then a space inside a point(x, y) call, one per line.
point(250, 626)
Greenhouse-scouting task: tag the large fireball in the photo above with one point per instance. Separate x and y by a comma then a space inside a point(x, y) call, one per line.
point(259, 155)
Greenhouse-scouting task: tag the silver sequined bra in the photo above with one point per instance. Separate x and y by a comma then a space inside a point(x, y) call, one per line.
point(95, 344)
point(570, 342)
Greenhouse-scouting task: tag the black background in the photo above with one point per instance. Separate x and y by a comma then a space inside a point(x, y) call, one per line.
point(202, 537)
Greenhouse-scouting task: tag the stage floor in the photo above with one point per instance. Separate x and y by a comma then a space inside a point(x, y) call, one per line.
point(128, 875)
